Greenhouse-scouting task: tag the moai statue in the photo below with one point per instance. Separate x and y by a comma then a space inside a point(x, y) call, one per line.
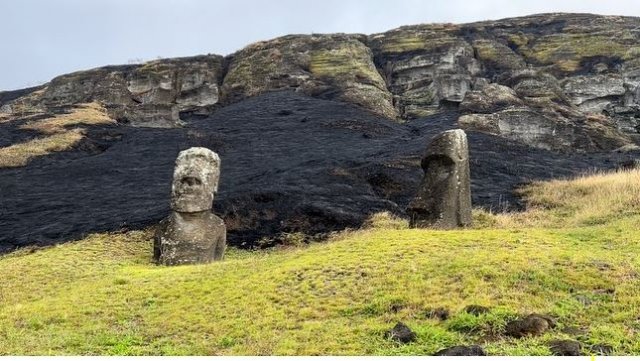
point(192, 234)
point(444, 197)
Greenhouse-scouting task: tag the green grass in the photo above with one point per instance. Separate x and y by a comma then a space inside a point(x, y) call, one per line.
point(567, 50)
point(103, 296)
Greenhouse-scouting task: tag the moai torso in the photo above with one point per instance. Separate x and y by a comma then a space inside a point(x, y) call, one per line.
point(444, 197)
point(192, 234)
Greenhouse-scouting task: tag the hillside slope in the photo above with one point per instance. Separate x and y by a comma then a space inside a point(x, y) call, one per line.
point(290, 164)
point(102, 295)
point(572, 79)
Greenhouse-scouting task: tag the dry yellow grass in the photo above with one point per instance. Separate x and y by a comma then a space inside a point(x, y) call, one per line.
point(588, 200)
point(86, 114)
point(20, 154)
point(59, 135)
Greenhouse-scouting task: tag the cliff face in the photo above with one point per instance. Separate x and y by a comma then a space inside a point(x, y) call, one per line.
point(552, 81)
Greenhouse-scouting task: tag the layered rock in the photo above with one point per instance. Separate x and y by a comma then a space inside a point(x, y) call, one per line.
point(425, 66)
point(575, 78)
point(326, 66)
point(534, 110)
point(150, 94)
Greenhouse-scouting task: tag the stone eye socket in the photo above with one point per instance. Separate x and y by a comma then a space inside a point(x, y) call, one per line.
point(191, 181)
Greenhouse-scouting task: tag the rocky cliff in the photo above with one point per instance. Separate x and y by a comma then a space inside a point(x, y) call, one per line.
point(554, 81)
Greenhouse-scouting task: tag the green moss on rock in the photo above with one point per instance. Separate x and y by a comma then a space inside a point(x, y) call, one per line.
point(329, 66)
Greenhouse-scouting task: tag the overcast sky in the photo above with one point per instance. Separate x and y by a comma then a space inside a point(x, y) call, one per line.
point(45, 38)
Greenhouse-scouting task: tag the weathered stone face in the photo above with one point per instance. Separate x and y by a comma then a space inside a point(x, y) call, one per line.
point(192, 234)
point(444, 197)
point(195, 180)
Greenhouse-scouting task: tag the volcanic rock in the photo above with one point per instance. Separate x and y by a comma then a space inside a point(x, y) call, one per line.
point(401, 333)
point(473, 350)
point(565, 347)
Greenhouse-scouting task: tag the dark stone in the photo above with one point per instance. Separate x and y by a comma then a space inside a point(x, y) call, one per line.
point(629, 164)
point(476, 310)
point(473, 350)
point(601, 349)
point(401, 333)
point(444, 197)
point(531, 325)
point(565, 347)
point(439, 313)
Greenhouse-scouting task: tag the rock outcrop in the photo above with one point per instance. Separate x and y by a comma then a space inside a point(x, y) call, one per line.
point(336, 66)
point(426, 66)
point(151, 94)
point(534, 110)
point(553, 81)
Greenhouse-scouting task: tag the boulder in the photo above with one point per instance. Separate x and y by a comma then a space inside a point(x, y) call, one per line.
point(490, 99)
point(401, 333)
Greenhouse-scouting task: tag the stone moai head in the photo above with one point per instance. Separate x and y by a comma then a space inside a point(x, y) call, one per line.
point(446, 150)
point(195, 180)
point(444, 197)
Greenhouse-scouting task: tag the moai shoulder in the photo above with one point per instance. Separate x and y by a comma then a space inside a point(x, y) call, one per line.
point(192, 234)
point(444, 197)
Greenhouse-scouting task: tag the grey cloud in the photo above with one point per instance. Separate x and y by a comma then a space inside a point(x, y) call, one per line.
point(45, 38)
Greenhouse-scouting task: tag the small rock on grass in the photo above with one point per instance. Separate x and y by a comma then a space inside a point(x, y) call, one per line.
point(565, 347)
point(532, 325)
point(439, 313)
point(401, 333)
point(476, 310)
point(473, 350)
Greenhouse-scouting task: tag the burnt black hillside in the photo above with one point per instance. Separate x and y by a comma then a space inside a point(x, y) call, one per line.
point(290, 163)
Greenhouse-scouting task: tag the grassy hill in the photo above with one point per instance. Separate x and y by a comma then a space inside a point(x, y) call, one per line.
point(573, 254)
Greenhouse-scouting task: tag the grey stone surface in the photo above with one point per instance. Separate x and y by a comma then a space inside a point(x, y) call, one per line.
point(192, 234)
point(444, 197)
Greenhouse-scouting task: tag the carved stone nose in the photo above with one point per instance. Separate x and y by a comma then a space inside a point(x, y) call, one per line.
point(191, 181)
